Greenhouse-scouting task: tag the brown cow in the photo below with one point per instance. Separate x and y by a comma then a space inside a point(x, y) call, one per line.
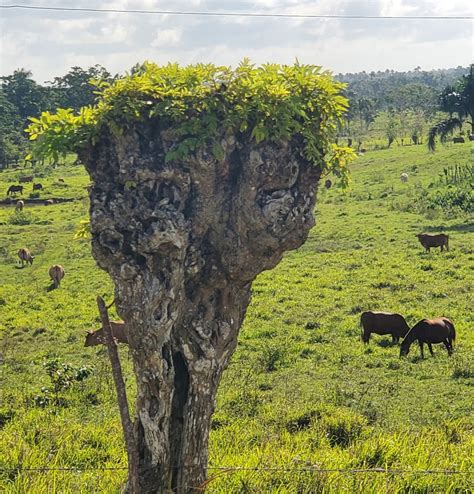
point(439, 330)
point(25, 256)
point(437, 240)
point(19, 205)
point(56, 273)
point(383, 323)
point(119, 332)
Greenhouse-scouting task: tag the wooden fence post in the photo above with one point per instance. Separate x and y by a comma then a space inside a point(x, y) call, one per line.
point(130, 442)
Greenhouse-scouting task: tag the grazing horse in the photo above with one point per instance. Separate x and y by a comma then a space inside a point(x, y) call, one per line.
point(37, 186)
point(439, 330)
point(14, 189)
point(25, 256)
point(56, 273)
point(383, 323)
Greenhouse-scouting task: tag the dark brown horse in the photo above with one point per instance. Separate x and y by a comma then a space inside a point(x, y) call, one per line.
point(14, 189)
point(383, 323)
point(439, 330)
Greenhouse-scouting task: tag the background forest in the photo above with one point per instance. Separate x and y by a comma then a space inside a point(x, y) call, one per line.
point(385, 107)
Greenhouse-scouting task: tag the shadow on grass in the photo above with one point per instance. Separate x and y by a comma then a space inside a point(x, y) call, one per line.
point(386, 343)
point(459, 227)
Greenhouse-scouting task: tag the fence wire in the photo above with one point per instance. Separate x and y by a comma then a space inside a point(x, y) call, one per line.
point(230, 469)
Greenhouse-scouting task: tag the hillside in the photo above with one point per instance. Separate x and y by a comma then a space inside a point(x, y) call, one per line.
point(302, 392)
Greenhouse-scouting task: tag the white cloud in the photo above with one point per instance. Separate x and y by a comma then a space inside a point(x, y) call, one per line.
point(49, 43)
point(166, 38)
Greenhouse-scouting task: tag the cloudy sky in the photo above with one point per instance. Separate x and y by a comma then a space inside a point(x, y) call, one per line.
point(48, 43)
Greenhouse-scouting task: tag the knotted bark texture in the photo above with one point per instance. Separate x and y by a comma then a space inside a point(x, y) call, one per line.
point(183, 242)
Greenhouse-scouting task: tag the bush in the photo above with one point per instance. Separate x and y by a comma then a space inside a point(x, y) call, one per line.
point(271, 357)
point(302, 420)
point(342, 428)
point(62, 377)
point(21, 218)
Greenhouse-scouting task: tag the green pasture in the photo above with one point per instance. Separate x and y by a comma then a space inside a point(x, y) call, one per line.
point(302, 398)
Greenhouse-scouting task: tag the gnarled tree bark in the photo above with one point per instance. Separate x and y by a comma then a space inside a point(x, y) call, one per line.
point(183, 242)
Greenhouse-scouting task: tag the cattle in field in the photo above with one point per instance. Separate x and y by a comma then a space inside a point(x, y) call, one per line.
point(97, 337)
point(15, 189)
point(19, 205)
point(328, 184)
point(56, 273)
point(383, 323)
point(37, 186)
point(26, 179)
point(458, 140)
point(25, 256)
point(471, 137)
point(439, 330)
point(404, 177)
point(437, 240)
point(49, 202)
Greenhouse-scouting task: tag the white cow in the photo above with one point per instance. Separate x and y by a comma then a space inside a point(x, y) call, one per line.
point(404, 177)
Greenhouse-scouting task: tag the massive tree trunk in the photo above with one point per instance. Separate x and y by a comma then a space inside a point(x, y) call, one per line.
point(182, 242)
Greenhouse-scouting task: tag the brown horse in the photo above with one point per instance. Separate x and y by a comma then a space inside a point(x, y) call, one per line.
point(14, 189)
point(439, 330)
point(383, 323)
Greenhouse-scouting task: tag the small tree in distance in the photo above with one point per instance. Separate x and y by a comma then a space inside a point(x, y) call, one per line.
point(458, 102)
point(203, 177)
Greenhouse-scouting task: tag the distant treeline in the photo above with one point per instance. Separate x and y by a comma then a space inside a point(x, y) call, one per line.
point(370, 94)
point(401, 90)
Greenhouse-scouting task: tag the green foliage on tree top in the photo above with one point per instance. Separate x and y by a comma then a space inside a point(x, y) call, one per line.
point(268, 103)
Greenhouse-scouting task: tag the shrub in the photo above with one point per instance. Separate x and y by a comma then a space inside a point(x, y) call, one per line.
point(245, 403)
point(271, 357)
point(343, 427)
point(62, 377)
point(21, 218)
point(302, 420)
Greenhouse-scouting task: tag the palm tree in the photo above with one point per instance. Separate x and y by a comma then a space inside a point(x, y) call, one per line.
point(458, 102)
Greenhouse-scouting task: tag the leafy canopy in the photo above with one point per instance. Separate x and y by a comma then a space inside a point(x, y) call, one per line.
point(269, 103)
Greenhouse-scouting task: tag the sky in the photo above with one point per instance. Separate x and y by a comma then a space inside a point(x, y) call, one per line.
point(49, 43)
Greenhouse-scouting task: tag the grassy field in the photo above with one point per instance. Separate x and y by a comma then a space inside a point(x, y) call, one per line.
point(302, 392)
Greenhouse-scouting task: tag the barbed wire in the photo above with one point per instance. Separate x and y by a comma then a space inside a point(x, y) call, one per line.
point(230, 469)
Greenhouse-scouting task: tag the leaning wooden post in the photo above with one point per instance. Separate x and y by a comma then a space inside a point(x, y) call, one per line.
point(130, 443)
